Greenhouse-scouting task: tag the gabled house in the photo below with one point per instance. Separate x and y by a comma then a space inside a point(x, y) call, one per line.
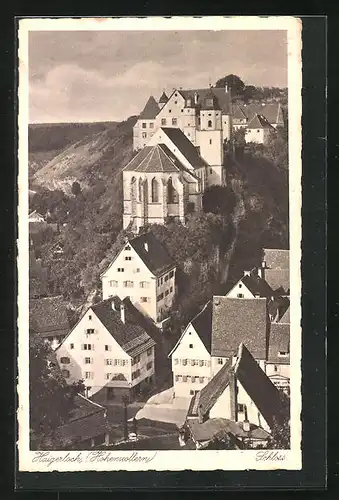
point(48, 318)
point(258, 130)
point(272, 112)
point(250, 286)
point(145, 126)
point(275, 270)
point(110, 351)
point(235, 321)
point(240, 393)
point(35, 217)
point(278, 361)
point(191, 355)
point(143, 271)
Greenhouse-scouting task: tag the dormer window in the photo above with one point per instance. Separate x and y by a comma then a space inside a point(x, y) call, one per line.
point(209, 102)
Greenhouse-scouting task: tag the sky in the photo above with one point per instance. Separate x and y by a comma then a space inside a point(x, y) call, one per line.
point(87, 76)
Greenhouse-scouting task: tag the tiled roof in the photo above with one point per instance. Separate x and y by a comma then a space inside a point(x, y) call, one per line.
point(129, 335)
point(156, 158)
point(259, 121)
point(279, 341)
point(285, 319)
point(163, 99)
point(235, 321)
point(87, 421)
point(222, 97)
point(48, 316)
point(257, 285)
point(270, 111)
point(152, 253)
point(209, 395)
point(258, 386)
point(185, 146)
point(210, 101)
point(238, 113)
point(278, 279)
point(276, 258)
point(202, 323)
point(151, 110)
point(219, 427)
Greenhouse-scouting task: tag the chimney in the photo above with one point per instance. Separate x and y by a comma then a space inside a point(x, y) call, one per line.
point(195, 98)
point(114, 307)
point(146, 246)
point(226, 88)
point(200, 415)
point(122, 312)
point(246, 425)
point(260, 272)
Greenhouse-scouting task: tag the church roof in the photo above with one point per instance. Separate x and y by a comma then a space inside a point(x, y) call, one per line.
point(163, 99)
point(185, 146)
point(156, 158)
point(151, 110)
point(222, 97)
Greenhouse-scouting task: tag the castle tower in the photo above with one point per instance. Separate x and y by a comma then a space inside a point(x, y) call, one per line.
point(210, 138)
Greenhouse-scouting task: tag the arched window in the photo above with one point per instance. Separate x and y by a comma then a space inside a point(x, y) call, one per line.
point(172, 194)
point(140, 190)
point(209, 123)
point(155, 191)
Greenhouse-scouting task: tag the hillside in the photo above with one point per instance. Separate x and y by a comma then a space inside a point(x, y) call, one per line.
point(88, 161)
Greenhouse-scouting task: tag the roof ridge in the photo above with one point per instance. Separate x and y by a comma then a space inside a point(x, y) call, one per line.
point(160, 160)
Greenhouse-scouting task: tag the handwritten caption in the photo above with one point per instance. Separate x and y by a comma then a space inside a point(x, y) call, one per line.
point(91, 457)
point(264, 456)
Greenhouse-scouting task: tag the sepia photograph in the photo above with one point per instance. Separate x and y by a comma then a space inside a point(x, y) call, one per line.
point(159, 244)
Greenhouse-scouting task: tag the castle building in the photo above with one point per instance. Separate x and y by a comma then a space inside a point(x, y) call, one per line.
point(144, 272)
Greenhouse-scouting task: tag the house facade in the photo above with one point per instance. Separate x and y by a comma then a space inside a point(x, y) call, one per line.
point(258, 130)
point(191, 356)
point(144, 272)
point(109, 351)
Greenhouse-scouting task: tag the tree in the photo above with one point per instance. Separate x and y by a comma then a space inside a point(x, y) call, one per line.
point(235, 83)
point(218, 200)
point(249, 92)
point(51, 399)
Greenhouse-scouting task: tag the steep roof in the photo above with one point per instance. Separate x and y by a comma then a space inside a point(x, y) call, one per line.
point(163, 99)
point(259, 121)
point(276, 258)
point(152, 253)
point(48, 316)
point(202, 323)
point(257, 285)
point(285, 319)
point(271, 111)
point(279, 341)
point(258, 386)
point(210, 101)
point(278, 279)
point(130, 335)
point(235, 321)
point(150, 110)
point(238, 113)
point(209, 395)
point(185, 146)
point(156, 158)
point(222, 98)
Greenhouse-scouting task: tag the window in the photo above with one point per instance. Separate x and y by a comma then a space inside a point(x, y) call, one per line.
point(144, 135)
point(209, 124)
point(182, 110)
point(155, 191)
point(275, 368)
point(89, 375)
point(172, 193)
point(135, 360)
point(240, 295)
point(193, 362)
point(170, 111)
point(151, 125)
point(193, 380)
point(166, 277)
point(128, 284)
point(191, 346)
point(88, 347)
point(149, 365)
point(108, 347)
point(127, 247)
point(176, 361)
point(128, 258)
point(184, 378)
point(201, 380)
point(166, 293)
point(174, 121)
point(283, 353)
point(137, 270)
point(175, 102)
point(258, 131)
point(192, 392)
point(211, 171)
point(71, 346)
point(177, 378)
point(121, 269)
point(163, 121)
point(171, 289)
point(188, 379)
point(241, 408)
point(113, 283)
point(65, 360)
point(149, 351)
point(171, 274)
point(108, 362)
point(240, 285)
point(90, 317)
point(144, 284)
point(144, 125)
point(65, 373)
point(144, 299)
point(210, 141)
point(50, 339)
point(220, 361)
point(184, 362)
point(89, 331)
point(108, 376)
point(88, 361)
point(201, 363)
point(135, 374)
